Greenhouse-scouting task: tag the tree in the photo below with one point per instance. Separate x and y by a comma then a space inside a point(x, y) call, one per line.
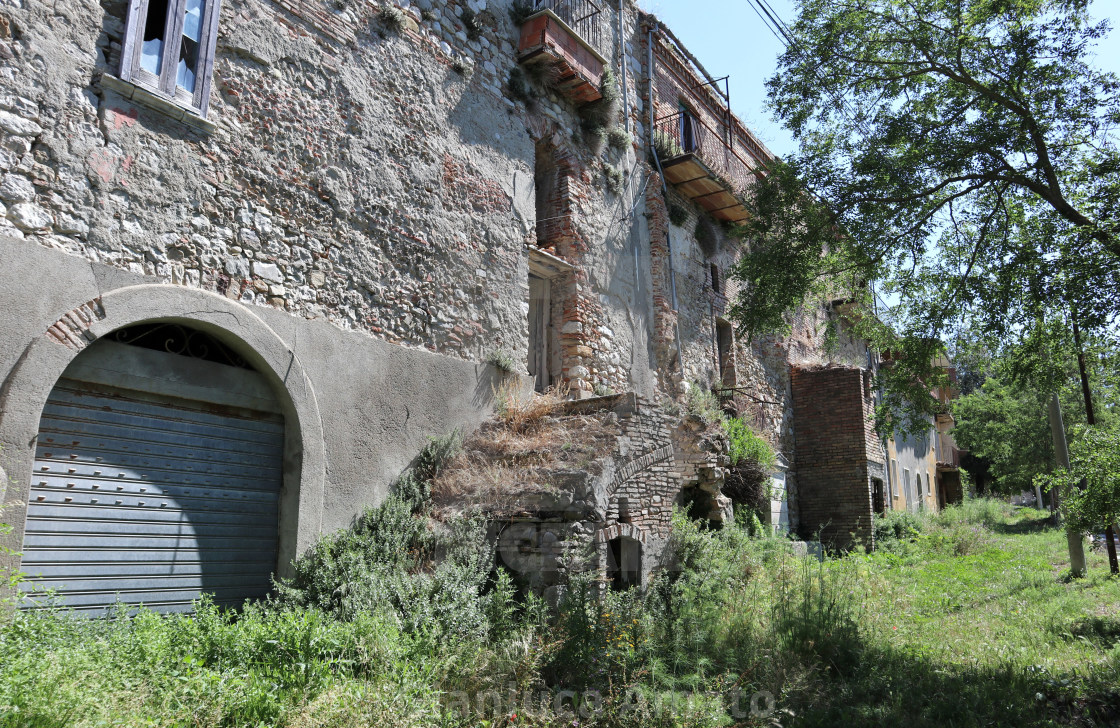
point(1095, 467)
point(1005, 420)
point(961, 152)
point(1007, 427)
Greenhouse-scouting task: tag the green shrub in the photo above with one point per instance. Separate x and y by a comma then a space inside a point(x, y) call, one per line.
point(817, 614)
point(519, 11)
point(977, 511)
point(701, 403)
point(618, 138)
point(677, 214)
point(501, 360)
point(472, 24)
point(958, 538)
point(614, 178)
point(896, 527)
point(598, 117)
point(415, 485)
point(746, 446)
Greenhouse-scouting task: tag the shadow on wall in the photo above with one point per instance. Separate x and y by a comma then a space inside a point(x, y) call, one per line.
point(157, 476)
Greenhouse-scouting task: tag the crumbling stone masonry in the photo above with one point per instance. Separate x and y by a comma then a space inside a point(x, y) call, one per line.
point(626, 507)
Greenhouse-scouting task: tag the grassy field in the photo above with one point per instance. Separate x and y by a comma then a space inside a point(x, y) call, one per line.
point(961, 619)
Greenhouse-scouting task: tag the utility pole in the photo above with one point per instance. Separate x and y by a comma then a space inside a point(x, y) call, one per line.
point(1061, 452)
point(1091, 419)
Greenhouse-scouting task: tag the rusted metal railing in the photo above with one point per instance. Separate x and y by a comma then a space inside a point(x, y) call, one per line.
point(685, 133)
point(583, 16)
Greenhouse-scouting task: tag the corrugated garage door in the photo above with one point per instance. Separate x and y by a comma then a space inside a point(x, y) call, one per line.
point(144, 497)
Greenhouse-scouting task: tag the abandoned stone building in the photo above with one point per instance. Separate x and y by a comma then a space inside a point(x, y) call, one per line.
point(254, 253)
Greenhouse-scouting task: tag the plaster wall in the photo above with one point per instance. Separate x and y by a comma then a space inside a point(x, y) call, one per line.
point(357, 410)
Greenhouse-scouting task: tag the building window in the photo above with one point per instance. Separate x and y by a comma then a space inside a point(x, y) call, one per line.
point(169, 49)
point(725, 343)
point(690, 130)
point(715, 279)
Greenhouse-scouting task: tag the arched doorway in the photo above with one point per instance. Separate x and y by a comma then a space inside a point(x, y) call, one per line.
point(157, 475)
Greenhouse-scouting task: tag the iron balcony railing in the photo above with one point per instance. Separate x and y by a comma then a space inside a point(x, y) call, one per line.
point(684, 133)
point(583, 16)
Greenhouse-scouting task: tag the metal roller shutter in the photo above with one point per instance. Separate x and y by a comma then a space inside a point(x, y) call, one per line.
point(142, 497)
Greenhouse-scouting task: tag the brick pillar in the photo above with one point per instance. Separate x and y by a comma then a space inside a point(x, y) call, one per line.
point(664, 317)
point(835, 439)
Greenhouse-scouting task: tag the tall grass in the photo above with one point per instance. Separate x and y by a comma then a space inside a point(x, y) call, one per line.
point(375, 630)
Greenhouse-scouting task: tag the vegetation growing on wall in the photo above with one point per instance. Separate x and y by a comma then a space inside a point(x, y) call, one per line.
point(391, 18)
point(599, 117)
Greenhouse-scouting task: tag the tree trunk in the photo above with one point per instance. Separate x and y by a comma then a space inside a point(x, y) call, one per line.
point(1091, 420)
point(1061, 452)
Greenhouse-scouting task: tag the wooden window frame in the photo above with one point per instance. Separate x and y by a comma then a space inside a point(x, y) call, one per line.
point(164, 85)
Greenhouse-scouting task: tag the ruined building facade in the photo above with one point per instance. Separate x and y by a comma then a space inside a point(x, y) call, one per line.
point(253, 254)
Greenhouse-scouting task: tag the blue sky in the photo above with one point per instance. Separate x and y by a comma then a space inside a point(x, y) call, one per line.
point(729, 39)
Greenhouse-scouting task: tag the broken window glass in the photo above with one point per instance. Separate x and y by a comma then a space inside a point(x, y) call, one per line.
point(188, 50)
point(155, 27)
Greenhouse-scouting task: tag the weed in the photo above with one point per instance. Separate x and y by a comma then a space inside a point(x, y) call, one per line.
point(603, 390)
point(391, 17)
point(614, 179)
point(519, 11)
point(502, 361)
point(705, 234)
point(463, 66)
point(665, 146)
point(677, 215)
point(520, 88)
point(472, 24)
point(702, 404)
point(619, 139)
point(414, 486)
point(427, 16)
point(523, 411)
point(598, 117)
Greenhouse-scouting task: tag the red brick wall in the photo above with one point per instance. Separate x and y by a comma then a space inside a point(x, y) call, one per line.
point(835, 439)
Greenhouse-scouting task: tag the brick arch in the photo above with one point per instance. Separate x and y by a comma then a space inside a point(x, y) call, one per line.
point(626, 530)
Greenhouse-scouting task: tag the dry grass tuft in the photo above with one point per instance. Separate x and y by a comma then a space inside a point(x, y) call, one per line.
point(516, 458)
point(522, 411)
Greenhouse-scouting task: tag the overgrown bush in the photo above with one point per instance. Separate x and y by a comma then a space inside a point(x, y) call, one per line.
point(701, 403)
point(501, 360)
point(598, 117)
point(975, 511)
point(614, 179)
point(415, 485)
point(747, 446)
point(817, 614)
point(519, 11)
point(895, 528)
point(677, 214)
point(472, 24)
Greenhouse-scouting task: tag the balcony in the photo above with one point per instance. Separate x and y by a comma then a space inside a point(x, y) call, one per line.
point(703, 165)
point(948, 454)
point(567, 36)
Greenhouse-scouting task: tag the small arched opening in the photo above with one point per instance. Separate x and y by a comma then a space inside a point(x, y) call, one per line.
point(624, 563)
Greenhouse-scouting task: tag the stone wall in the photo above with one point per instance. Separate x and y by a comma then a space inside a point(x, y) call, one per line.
point(632, 497)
